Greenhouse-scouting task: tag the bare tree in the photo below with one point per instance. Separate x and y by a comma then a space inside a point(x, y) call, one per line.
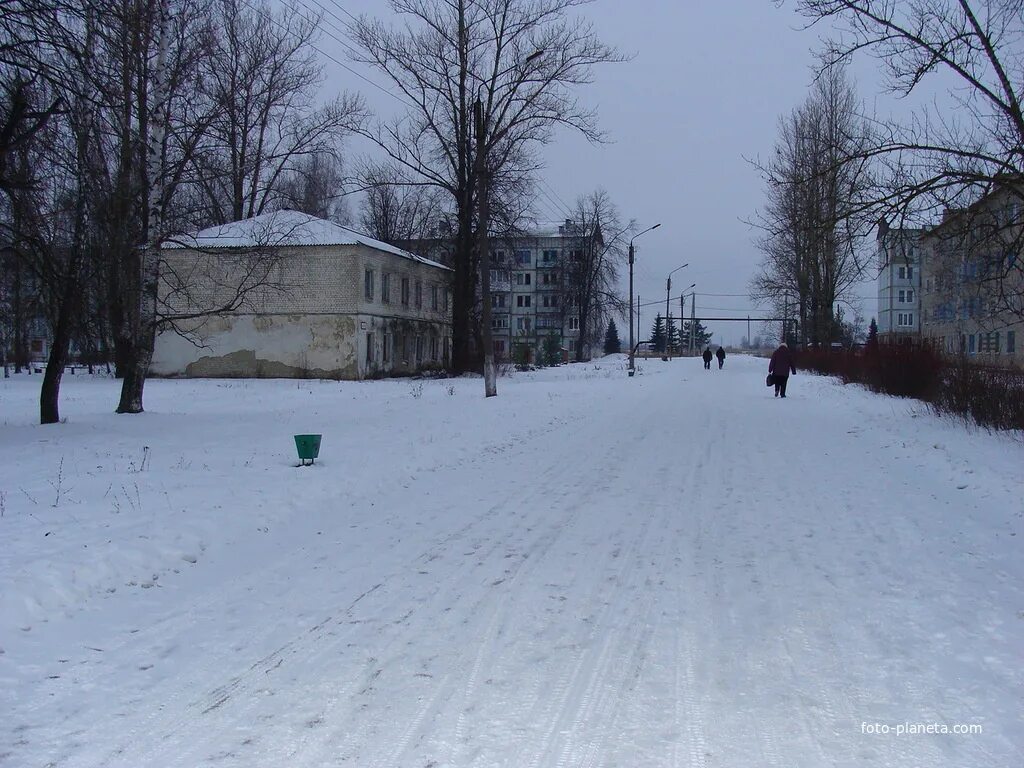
point(521, 61)
point(314, 186)
point(961, 146)
point(261, 80)
point(591, 269)
point(812, 224)
point(394, 212)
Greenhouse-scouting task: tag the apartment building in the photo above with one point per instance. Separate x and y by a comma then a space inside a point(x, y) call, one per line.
point(972, 281)
point(533, 304)
point(532, 299)
point(899, 282)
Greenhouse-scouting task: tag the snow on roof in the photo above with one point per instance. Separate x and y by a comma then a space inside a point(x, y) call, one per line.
point(285, 228)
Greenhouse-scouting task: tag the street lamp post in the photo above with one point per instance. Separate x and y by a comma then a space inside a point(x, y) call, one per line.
point(632, 363)
point(668, 292)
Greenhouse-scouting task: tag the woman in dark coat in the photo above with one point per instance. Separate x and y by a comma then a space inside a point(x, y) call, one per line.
point(707, 358)
point(779, 367)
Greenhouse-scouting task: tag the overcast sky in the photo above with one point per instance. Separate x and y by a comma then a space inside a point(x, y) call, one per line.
point(703, 92)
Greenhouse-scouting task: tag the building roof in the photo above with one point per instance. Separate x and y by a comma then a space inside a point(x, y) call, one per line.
point(285, 228)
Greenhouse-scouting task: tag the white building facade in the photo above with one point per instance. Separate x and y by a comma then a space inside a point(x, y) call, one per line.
point(330, 303)
point(899, 282)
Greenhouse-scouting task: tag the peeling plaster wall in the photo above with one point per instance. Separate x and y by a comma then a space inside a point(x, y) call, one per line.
point(258, 346)
point(320, 326)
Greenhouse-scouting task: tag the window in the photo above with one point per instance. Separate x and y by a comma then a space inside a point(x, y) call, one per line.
point(988, 343)
point(497, 299)
point(419, 294)
point(433, 348)
point(369, 348)
point(524, 257)
point(549, 257)
point(405, 291)
point(970, 343)
point(549, 279)
point(905, 273)
point(550, 301)
point(434, 299)
point(419, 347)
point(523, 301)
point(574, 323)
point(910, 296)
point(910, 273)
point(445, 307)
point(368, 285)
point(1011, 342)
point(928, 285)
point(902, 297)
point(572, 345)
point(385, 288)
point(499, 323)
point(522, 278)
point(523, 323)
point(905, 319)
point(499, 347)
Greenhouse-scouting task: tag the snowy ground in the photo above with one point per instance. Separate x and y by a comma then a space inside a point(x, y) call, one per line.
point(674, 570)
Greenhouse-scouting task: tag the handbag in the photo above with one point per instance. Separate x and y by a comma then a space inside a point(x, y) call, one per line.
point(770, 381)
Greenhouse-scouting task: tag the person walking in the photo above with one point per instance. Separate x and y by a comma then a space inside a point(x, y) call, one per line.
point(720, 354)
point(707, 359)
point(779, 368)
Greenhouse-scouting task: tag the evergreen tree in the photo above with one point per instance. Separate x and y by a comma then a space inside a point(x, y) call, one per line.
point(673, 336)
point(872, 343)
point(701, 338)
point(612, 345)
point(658, 334)
point(552, 349)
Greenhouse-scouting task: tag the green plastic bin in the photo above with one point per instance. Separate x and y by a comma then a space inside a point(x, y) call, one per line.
point(308, 447)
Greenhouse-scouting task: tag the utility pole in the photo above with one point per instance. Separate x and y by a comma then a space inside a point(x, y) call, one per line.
point(631, 369)
point(484, 251)
point(638, 337)
point(785, 316)
point(693, 319)
point(682, 314)
point(668, 290)
point(632, 362)
point(749, 344)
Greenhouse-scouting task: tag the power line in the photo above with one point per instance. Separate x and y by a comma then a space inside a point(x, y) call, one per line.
point(273, 20)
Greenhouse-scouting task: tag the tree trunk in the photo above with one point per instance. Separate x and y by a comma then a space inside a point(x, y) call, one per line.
point(49, 394)
point(144, 327)
point(483, 254)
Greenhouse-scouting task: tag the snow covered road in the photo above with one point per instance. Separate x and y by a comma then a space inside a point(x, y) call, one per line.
point(674, 570)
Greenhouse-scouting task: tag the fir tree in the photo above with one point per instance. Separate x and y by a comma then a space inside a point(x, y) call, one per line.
point(872, 343)
point(552, 349)
point(658, 334)
point(673, 336)
point(701, 338)
point(612, 345)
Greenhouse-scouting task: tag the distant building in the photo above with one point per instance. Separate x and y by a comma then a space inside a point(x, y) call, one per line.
point(899, 282)
point(533, 297)
point(972, 300)
point(334, 303)
point(24, 330)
